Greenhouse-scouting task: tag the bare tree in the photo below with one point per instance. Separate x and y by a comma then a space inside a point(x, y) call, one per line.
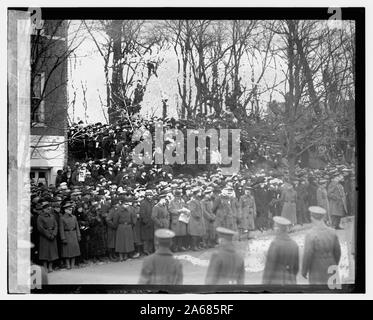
point(131, 53)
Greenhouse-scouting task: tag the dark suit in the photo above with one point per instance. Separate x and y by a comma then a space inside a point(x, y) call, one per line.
point(321, 250)
point(282, 263)
point(226, 267)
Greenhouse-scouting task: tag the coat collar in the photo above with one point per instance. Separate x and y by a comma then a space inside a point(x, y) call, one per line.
point(164, 251)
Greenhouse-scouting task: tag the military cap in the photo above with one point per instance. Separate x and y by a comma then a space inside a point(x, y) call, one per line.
point(148, 192)
point(63, 185)
point(167, 190)
point(208, 190)
point(226, 233)
point(318, 211)
point(162, 195)
point(281, 221)
point(196, 189)
point(68, 204)
point(164, 234)
point(45, 204)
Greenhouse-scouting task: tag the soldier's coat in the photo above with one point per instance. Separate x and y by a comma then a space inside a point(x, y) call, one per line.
point(161, 268)
point(321, 250)
point(247, 212)
point(124, 222)
point(147, 224)
point(225, 216)
point(160, 216)
point(209, 217)
point(226, 266)
point(70, 236)
point(177, 226)
point(111, 228)
point(337, 199)
point(196, 226)
point(282, 262)
point(289, 198)
point(48, 228)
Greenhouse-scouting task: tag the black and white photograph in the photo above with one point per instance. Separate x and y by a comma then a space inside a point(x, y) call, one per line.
point(188, 150)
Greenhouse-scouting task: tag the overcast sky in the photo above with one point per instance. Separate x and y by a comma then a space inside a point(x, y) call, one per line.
point(88, 68)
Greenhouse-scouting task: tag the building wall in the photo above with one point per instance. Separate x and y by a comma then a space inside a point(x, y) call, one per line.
point(51, 157)
point(49, 48)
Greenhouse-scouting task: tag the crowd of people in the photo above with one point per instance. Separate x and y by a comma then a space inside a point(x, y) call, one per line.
point(104, 208)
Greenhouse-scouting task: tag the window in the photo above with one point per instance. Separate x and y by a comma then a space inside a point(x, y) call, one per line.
point(37, 103)
point(40, 176)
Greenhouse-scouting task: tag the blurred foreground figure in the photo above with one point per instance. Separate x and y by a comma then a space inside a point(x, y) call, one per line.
point(226, 266)
point(161, 267)
point(282, 263)
point(322, 250)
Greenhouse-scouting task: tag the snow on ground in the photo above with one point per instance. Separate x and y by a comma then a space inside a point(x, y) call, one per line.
point(195, 264)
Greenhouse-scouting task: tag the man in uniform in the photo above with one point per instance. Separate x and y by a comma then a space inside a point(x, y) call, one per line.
point(337, 201)
point(322, 249)
point(226, 266)
point(160, 214)
point(282, 263)
point(147, 225)
point(161, 267)
point(196, 226)
point(175, 208)
point(209, 218)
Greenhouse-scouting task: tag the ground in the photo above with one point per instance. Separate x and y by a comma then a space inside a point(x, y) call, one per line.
point(195, 263)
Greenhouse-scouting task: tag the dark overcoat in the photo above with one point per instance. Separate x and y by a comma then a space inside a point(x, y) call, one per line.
point(124, 222)
point(111, 229)
point(321, 251)
point(147, 224)
point(282, 262)
point(48, 229)
point(160, 216)
point(161, 268)
point(137, 226)
point(196, 225)
point(209, 217)
point(225, 267)
point(337, 199)
point(70, 236)
point(225, 216)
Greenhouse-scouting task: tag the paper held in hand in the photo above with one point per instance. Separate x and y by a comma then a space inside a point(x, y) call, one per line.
point(184, 216)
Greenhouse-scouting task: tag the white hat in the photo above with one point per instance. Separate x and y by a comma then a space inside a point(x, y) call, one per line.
point(317, 210)
point(281, 221)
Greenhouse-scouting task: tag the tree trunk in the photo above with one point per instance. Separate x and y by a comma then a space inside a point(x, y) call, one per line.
point(117, 75)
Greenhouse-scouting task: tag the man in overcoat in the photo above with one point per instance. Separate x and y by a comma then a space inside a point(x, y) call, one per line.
point(175, 208)
point(209, 218)
point(282, 262)
point(48, 229)
point(322, 250)
point(337, 201)
point(226, 266)
point(196, 226)
point(147, 224)
point(161, 268)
